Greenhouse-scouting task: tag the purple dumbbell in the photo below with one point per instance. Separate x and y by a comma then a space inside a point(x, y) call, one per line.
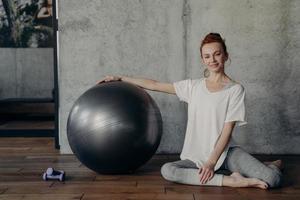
point(52, 174)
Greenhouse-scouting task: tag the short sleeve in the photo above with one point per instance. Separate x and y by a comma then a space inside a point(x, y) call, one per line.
point(236, 109)
point(183, 90)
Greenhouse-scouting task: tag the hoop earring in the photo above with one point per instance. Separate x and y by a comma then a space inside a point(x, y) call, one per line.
point(206, 73)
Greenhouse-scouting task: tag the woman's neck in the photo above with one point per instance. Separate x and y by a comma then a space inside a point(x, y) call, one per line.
point(220, 77)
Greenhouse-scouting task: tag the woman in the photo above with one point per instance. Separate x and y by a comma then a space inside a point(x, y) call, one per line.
point(215, 106)
point(44, 15)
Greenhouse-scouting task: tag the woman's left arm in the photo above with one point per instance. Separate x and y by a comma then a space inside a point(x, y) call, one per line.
point(207, 170)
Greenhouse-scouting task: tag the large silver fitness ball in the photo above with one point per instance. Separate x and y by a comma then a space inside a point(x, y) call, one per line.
point(114, 128)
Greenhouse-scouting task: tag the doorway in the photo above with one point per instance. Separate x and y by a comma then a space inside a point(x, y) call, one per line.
point(28, 49)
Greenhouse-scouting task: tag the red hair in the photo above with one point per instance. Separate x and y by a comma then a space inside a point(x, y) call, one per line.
point(213, 37)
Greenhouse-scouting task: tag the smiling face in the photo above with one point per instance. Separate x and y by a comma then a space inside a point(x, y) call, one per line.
point(213, 56)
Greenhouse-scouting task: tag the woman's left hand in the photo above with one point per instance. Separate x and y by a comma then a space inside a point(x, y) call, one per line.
point(206, 172)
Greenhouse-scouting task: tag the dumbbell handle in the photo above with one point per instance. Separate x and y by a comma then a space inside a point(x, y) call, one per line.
point(52, 177)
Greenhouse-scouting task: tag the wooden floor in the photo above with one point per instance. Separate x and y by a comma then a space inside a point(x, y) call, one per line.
point(23, 160)
point(27, 124)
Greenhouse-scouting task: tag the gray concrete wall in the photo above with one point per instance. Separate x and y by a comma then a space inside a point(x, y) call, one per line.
point(26, 73)
point(160, 40)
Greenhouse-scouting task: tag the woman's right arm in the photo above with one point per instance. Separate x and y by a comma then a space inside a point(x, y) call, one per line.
point(144, 83)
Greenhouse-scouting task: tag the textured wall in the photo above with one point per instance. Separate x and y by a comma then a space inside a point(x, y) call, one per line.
point(160, 40)
point(26, 73)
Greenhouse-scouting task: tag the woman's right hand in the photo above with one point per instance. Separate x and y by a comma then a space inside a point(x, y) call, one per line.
point(109, 79)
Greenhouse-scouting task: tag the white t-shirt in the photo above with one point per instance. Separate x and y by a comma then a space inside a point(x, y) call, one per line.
point(207, 113)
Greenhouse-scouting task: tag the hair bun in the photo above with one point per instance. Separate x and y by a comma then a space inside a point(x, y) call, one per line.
point(215, 34)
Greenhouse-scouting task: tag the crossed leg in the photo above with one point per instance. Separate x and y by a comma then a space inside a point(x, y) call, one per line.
point(243, 164)
point(186, 172)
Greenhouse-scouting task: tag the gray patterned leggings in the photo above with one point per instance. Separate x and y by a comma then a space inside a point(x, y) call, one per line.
point(237, 160)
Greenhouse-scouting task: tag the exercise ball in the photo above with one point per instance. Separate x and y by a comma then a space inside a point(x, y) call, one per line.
point(114, 128)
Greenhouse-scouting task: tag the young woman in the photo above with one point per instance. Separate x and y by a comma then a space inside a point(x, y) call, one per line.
point(46, 9)
point(215, 106)
point(44, 15)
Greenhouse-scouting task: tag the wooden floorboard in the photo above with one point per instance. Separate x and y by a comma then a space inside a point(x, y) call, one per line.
point(26, 124)
point(23, 161)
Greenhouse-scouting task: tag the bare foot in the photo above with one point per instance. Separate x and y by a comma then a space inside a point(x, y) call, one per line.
point(277, 163)
point(237, 180)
